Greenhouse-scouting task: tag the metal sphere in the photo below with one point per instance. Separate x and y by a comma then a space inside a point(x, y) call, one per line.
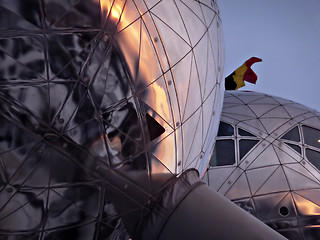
point(267, 160)
point(101, 104)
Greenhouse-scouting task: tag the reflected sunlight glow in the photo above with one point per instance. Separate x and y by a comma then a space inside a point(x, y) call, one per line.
point(308, 208)
point(128, 40)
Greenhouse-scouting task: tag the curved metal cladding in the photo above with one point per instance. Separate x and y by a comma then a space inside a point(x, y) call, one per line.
point(102, 104)
point(267, 159)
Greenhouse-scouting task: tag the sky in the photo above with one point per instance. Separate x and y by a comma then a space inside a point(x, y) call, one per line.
point(285, 34)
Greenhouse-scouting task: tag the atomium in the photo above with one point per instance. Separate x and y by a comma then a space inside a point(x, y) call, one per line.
point(102, 105)
point(267, 161)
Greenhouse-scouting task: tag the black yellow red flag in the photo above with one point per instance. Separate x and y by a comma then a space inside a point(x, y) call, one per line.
point(244, 73)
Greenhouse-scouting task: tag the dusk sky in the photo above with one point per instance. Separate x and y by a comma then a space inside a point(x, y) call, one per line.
point(286, 35)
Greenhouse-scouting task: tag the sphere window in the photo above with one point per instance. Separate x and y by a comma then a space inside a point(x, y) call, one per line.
point(292, 135)
point(223, 153)
point(245, 146)
point(313, 157)
point(294, 147)
point(225, 129)
point(244, 133)
point(311, 136)
point(292, 138)
point(232, 143)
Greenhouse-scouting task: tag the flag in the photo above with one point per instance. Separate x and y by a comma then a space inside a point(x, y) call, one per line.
point(244, 73)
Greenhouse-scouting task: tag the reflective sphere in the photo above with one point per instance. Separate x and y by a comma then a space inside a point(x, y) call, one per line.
point(101, 104)
point(267, 160)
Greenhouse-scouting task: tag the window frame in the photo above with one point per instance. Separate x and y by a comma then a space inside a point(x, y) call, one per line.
point(236, 137)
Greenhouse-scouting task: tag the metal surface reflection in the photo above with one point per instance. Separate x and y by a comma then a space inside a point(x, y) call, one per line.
point(84, 86)
point(268, 171)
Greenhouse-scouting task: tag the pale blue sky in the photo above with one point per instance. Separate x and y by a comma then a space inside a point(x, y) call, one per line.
point(286, 35)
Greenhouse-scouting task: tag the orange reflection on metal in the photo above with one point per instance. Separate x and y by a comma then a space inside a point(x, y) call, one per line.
point(306, 207)
point(165, 152)
point(160, 102)
point(140, 55)
point(149, 66)
point(116, 11)
point(113, 7)
point(132, 41)
point(105, 7)
point(115, 144)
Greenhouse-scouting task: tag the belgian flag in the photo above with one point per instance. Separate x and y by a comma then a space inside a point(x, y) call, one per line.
point(244, 73)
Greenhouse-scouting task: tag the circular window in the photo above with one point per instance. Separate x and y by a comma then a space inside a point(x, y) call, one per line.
point(284, 211)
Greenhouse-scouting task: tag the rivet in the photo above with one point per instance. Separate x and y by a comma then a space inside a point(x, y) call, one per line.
point(61, 121)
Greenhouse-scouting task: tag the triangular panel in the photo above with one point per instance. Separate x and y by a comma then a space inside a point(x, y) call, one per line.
point(306, 207)
point(218, 176)
point(240, 189)
point(192, 138)
point(286, 156)
point(212, 79)
point(21, 211)
point(294, 112)
point(156, 96)
point(260, 110)
point(193, 101)
point(172, 18)
point(257, 177)
point(74, 16)
point(276, 183)
point(267, 157)
point(175, 46)
point(272, 124)
point(264, 203)
point(278, 112)
point(192, 22)
point(129, 13)
point(182, 73)
point(130, 44)
point(15, 18)
point(299, 178)
point(165, 152)
point(149, 65)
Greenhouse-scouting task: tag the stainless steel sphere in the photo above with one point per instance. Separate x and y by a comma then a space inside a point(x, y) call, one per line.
point(267, 160)
point(102, 103)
